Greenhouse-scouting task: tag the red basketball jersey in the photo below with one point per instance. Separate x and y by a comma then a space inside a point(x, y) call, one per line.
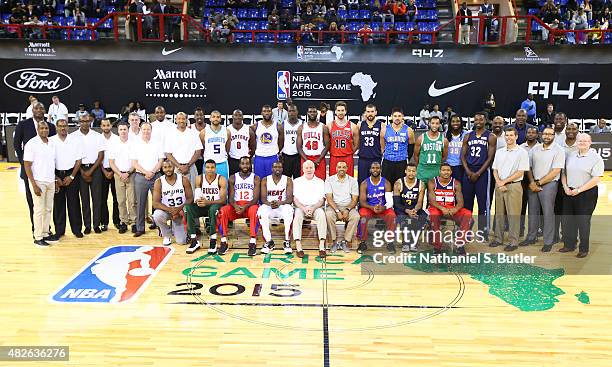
point(341, 140)
point(445, 194)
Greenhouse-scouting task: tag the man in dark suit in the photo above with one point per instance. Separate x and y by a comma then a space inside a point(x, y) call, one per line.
point(26, 130)
point(465, 24)
point(162, 8)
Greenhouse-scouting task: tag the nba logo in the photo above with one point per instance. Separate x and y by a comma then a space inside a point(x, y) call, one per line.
point(118, 274)
point(300, 52)
point(282, 84)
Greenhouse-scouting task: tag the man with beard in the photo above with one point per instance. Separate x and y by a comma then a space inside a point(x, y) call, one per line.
point(408, 195)
point(531, 141)
point(567, 141)
point(313, 143)
point(160, 126)
point(455, 135)
point(269, 137)
point(375, 201)
point(26, 130)
point(370, 131)
point(183, 148)
point(91, 174)
point(430, 151)
point(243, 197)
point(521, 125)
point(122, 166)
point(276, 199)
point(171, 193)
point(344, 140)
point(198, 124)
point(240, 141)
point(477, 154)
point(342, 196)
point(108, 179)
point(290, 155)
point(546, 161)
point(68, 155)
point(398, 146)
point(497, 127)
point(214, 139)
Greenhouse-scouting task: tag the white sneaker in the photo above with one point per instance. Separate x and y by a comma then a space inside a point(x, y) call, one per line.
point(406, 248)
point(287, 247)
point(345, 246)
point(167, 241)
point(413, 247)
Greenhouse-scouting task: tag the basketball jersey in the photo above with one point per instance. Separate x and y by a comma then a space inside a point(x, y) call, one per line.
point(396, 144)
point(454, 149)
point(244, 188)
point(445, 194)
point(431, 150)
point(369, 142)
point(312, 140)
point(290, 146)
point(341, 140)
point(478, 149)
point(375, 194)
point(410, 194)
point(276, 191)
point(239, 142)
point(267, 140)
point(214, 144)
point(172, 195)
point(211, 191)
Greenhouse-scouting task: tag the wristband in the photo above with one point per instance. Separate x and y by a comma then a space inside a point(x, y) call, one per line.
point(71, 177)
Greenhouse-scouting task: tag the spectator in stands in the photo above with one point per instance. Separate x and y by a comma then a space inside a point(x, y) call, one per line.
point(601, 25)
point(162, 8)
point(571, 8)
point(601, 127)
point(32, 101)
point(580, 22)
point(57, 110)
point(411, 11)
point(135, 7)
point(436, 112)
point(320, 7)
point(309, 15)
point(213, 29)
point(588, 9)
point(81, 112)
point(279, 113)
point(244, 3)
point(285, 20)
point(48, 8)
point(306, 36)
point(365, 34)
point(548, 117)
point(529, 105)
point(232, 20)
point(35, 32)
point(230, 4)
point(31, 12)
point(224, 33)
point(550, 16)
point(273, 21)
point(319, 20)
point(465, 24)
point(353, 4)
point(214, 17)
point(296, 23)
point(424, 116)
point(297, 7)
point(325, 115)
point(446, 118)
point(69, 7)
point(332, 17)
point(79, 17)
point(597, 7)
point(399, 10)
point(97, 112)
point(387, 11)
point(334, 36)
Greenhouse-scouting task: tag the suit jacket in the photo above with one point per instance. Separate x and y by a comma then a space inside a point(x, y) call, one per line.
point(466, 13)
point(25, 131)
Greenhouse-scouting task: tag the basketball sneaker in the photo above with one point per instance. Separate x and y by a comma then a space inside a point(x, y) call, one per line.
point(194, 246)
point(212, 248)
point(267, 247)
point(287, 247)
point(222, 249)
point(345, 246)
point(334, 247)
point(252, 249)
point(362, 247)
point(167, 241)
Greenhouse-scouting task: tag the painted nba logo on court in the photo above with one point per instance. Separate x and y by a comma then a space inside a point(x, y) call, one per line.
point(283, 78)
point(119, 274)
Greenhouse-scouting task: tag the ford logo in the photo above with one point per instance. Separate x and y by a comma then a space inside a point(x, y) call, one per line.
point(37, 80)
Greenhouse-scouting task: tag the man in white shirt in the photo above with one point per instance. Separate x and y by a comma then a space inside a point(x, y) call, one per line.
point(183, 148)
point(342, 194)
point(108, 179)
point(160, 126)
point(39, 162)
point(147, 157)
point(308, 198)
point(279, 114)
point(29, 111)
point(424, 117)
point(121, 165)
point(91, 174)
point(134, 128)
point(68, 155)
point(57, 110)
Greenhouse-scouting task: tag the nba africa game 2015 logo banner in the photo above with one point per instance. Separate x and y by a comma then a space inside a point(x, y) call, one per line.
point(118, 274)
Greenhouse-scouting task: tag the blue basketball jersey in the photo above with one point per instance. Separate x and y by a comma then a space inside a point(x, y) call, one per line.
point(369, 141)
point(375, 194)
point(454, 149)
point(478, 149)
point(396, 144)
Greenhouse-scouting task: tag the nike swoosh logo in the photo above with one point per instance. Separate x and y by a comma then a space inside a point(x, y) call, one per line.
point(435, 92)
point(166, 53)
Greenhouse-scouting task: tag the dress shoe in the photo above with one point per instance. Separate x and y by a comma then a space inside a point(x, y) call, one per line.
point(41, 243)
point(527, 242)
point(152, 226)
point(566, 249)
point(300, 254)
point(122, 228)
point(134, 228)
point(138, 233)
point(78, 235)
point(510, 248)
point(582, 254)
point(494, 244)
point(322, 254)
point(104, 228)
point(51, 239)
point(546, 248)
point(87, 231)
point(97, 230)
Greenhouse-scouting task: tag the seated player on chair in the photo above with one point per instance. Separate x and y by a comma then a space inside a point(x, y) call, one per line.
point(408, 195)
point(276, 199)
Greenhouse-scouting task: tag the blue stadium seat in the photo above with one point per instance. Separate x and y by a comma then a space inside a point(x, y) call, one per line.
point(92, 20)
point(353, 14)
point(533, 11)
point(263, 13)
point(207, 12)
point(387, 25)
point(253, 13)
point(535, 26)
point(107, 23)
point(410, 26)
point(5, 18)
point(364, 14)
point(426, 38)
point(342, 13)
point(68, 21)
point(241, 14)
point(353, 26)
point(241, 25)
point(263, 24)
point(252, 25)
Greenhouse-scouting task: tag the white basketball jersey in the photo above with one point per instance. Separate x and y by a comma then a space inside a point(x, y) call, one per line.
point(214, 144)
point(276, 191)
point(244, 188)
point(211, 191)
point(290, 145)
point(172, 195)
point(312, 140)
point(239, 146)
point(267, 140)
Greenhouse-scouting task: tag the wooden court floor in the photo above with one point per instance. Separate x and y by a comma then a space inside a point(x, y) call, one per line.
point(279, 311)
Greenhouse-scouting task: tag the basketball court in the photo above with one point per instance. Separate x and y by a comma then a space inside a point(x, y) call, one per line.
point(279, 310)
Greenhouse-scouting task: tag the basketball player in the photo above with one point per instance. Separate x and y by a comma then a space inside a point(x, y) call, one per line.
point(269, 139)
point(108, 180)
point(455, 135)
point(408, 195)
point(375, 201)
point(210, 194)
point(243, 197)
point(183, 148)
point(370, 131)
point(477, 154)
point(398, 144)
point(313, 143)
point(430, 151)
point(240, 141)
point(344, 140)
point(171, 193)
point(276, 199)
point(290, 155)
point(214, 139)
point(446, 200)
point(199, 123)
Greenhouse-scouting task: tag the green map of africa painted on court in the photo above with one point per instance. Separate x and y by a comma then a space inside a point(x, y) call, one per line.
point(524, 286)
